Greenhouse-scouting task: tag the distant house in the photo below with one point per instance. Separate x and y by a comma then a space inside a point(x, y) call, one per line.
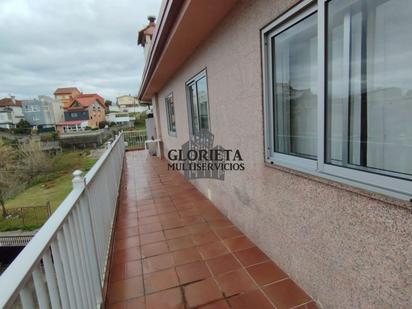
point(120, 118)
point(87, 110)
point(10, 112)
point(129, 104)
point(43, 112)
point(66, 95)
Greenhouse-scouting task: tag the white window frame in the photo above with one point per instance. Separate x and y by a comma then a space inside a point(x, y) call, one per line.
point(379, 183)
point(194, 79)
point(168, 115)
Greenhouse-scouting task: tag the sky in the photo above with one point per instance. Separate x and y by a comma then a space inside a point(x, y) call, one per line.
point(89, 44)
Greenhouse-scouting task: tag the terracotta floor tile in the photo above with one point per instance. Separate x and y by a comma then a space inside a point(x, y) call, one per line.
point(192, 272)
point(169, 217)
point(172, 224)
point(145, 202)
point(180, 243)
point(212, 250)
point(126, 255)
point(202, 292)
point(220, 304)
point(122, 233)
point(164, 209)
point(228, 232)
point(154, 249)
point(191, 220)
point(251, 300)
point(149, 220)
point(198, 228)
point(145, 208)
point(222, 264)
point(286, 294)
point(189, 212)
point(133, 269)
point(251, 256)
point(150, 228)
point(266, 273)
point(158, 262)
point(151, 237)
point(129, 222)
point(235, 282)
point(238, 243)
point(136, 303)
point(205, 238)
point(147, 213)
point(186, 256)
point(126, 243)
point(167, 299)
point(161, 280)
point(126, 289)
point(167, 233)
point(117, 272)
point(175, 233)
point(220, 223)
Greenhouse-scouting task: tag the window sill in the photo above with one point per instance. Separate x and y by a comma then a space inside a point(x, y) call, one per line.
point(367, 190)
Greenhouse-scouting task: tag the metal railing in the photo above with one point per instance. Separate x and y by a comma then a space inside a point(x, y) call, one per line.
point(15, 241)
point(135, 139)
point(64, 265)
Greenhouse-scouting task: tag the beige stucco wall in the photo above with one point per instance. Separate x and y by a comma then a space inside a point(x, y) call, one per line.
point(347, 250)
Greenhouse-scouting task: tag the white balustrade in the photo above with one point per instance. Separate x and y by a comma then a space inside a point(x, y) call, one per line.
point(64, 265)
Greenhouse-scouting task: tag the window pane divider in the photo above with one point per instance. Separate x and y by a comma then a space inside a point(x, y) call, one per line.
point(321, 84)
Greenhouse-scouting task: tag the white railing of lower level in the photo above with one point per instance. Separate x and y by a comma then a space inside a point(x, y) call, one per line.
point(64, 265)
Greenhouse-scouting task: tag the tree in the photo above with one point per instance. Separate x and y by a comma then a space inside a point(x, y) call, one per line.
point(23, 126)
point(108, 103)
point(9, 174)
point(32, 159)
point(18, 166)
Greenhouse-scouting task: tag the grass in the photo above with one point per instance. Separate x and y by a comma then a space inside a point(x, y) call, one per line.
point(140, 125)
point(51, 187)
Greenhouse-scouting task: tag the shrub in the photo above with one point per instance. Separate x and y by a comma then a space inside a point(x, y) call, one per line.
point(102, 124)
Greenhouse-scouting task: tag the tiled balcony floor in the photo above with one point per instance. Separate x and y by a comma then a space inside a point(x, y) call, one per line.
point(174, 249)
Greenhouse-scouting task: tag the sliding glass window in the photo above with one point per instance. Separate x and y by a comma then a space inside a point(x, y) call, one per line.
point(170, 113)
point(369, 85)
point(198, 103)
point(338, 92)
point(294, 58)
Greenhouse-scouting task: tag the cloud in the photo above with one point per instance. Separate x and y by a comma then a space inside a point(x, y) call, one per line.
point(90, 44)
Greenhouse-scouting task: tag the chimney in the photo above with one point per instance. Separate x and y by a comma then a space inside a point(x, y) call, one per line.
point(146, 34)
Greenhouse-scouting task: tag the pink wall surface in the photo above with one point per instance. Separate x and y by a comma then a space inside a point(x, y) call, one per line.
point(347, 248)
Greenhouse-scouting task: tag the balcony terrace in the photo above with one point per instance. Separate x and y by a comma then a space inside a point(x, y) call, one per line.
point(166, 246)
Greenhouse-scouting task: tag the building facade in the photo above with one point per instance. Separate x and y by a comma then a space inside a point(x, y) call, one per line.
point(87, 110)
point(43, 112)
point(120, 119)
point(10, 112)
point(327, 182)
point(129, 104)
point(66, 95)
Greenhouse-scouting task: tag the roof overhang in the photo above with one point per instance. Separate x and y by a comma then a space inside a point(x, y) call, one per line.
point(183, 26)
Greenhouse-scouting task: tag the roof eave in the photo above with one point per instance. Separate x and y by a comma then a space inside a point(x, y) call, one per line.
point(184, 25)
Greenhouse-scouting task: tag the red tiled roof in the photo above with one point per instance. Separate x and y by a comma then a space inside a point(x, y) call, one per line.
point(86, 100)
point(9, 102)
point(67, 90)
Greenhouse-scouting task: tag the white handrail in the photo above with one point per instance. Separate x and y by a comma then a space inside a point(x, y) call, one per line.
point(70, 250)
